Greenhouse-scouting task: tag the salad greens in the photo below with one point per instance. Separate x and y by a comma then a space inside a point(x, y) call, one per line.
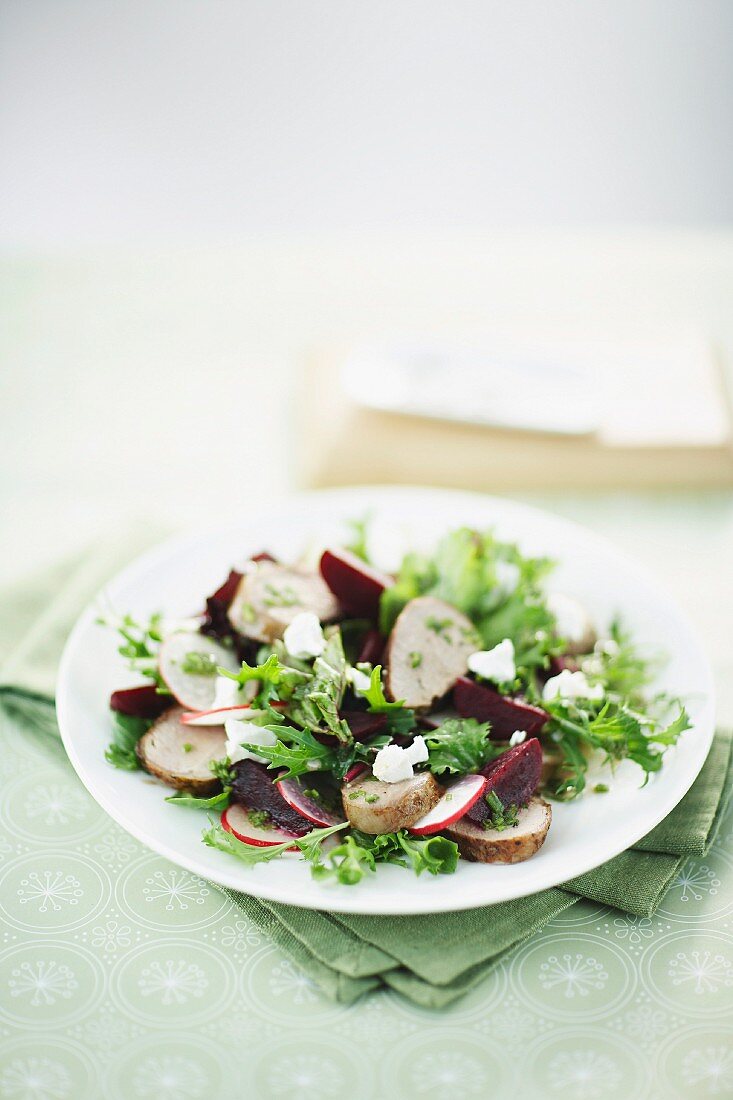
point(140, 643)
point(460, 746)
point(126, 732)
point(492, 583)
point(400, 719)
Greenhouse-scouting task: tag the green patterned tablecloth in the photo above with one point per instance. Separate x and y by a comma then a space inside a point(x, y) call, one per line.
point(123, 976)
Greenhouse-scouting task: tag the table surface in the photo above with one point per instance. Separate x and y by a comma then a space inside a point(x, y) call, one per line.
point(122, 976)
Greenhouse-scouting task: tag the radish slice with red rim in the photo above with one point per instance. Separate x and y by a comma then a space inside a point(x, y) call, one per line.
point(308, 800)
point(236, 820)
point(455, 803)
point(193, 690)
point(215, 717)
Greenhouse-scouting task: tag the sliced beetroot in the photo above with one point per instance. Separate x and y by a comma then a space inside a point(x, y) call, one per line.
point(264, 555)
point(506, 715)
point(355, 584)
point(255, 788)
point(372, 648)
point(513, 777)
point(140, 702)
point(312, 800)
point(363, 724)
point(217, 622)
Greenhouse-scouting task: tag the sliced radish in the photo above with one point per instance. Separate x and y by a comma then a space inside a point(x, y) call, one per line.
point(140, 702)
point(457, 800)
point(354, 583)
point(214, 717)
point(294, 793)
point(236, 820)
point(194, 692)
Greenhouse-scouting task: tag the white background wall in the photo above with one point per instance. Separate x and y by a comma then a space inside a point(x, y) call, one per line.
point(160, 119)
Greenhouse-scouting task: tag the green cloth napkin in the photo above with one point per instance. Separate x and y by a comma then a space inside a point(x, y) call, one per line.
point(431, 959)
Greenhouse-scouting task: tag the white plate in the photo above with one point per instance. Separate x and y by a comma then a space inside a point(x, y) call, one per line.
point(175, 577)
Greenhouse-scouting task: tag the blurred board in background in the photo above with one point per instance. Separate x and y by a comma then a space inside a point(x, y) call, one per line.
point(515, 413)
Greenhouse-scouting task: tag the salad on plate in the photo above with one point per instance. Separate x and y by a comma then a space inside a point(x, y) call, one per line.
point(359, 717)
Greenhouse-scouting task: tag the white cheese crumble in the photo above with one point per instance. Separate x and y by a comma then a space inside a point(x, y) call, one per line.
point(243, 729)
point(604, 647)
point(359, 680)
point(517, 738)
point(571, 685)
point(393, 764)
point(495, 664)
point(571, 617)
point(304, 638)
point(227, 693)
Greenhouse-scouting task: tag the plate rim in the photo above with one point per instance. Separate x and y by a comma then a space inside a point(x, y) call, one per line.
point(333, 901)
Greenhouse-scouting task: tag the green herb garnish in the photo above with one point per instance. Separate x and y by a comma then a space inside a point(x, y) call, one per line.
point(502, 817)
point(199, 664)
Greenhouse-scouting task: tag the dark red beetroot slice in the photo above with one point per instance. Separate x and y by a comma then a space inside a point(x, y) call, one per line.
point(513, 777)
point(217, 621)
point(372, 648)
point(362, 724)
point(254, 787)
point(264, 555)
point(140, 702)
point(506, 715)
point(354, 583)
point(296, 794)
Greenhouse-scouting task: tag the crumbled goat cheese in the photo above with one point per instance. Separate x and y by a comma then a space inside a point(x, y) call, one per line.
point(243, 729)
point(495, 664)
point(571, 617)
point(571, 685)
point(359, 680)
point(303, 638)
point(604, 647)
point(227, 693)
point(393, 764)
point(517, 737)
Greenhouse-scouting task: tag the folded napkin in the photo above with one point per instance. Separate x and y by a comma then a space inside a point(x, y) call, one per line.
point(430, 959)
